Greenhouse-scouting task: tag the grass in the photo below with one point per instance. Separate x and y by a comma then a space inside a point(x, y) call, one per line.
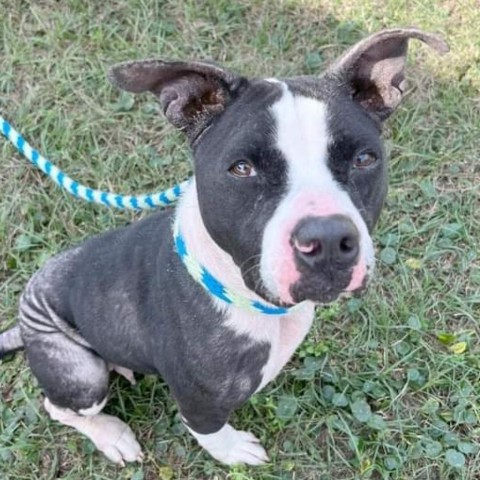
point(384, 387)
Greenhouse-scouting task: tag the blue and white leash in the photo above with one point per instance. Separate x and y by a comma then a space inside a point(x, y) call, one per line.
point(109, 199)
point(139, 202)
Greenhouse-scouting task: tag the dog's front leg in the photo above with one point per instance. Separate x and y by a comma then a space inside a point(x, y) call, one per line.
point(226, 444)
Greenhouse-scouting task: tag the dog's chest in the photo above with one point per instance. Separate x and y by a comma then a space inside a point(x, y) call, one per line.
point(283, 334)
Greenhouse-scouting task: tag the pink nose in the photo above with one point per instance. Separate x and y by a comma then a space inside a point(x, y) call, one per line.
point(326, 241)
point(305, 248)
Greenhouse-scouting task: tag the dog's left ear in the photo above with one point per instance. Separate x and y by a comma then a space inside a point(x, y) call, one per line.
point(374, 68)
point(191, 93)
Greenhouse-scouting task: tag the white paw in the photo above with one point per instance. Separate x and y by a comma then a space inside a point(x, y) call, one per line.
point(114, 438)
point(124, 372)
point(232, 446)
point(109, 434)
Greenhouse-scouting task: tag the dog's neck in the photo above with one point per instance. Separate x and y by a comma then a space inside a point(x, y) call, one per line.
point(205, 251)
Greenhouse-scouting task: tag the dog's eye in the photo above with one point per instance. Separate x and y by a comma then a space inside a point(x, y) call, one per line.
point(242, 168)
point(364, 159)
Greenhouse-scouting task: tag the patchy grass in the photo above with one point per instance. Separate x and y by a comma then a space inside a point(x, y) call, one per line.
point(384, 386)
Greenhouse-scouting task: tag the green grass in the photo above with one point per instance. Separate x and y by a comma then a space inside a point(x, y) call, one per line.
point(376, 390)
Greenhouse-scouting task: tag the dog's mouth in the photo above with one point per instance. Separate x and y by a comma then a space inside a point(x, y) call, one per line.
point(319, 297)
point(320, 292)
point(320, 288)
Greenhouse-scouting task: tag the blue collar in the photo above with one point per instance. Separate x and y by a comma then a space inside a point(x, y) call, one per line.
point(215, 287)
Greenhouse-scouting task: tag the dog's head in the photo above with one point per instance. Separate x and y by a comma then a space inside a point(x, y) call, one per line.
point(290, 173)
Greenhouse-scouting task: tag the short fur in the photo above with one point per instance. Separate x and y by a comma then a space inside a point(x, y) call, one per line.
point(124, 301)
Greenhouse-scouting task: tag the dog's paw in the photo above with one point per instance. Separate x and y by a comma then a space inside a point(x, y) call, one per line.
point(115, 439)
point(233, 447)
point(124, 372)
point(246, 449)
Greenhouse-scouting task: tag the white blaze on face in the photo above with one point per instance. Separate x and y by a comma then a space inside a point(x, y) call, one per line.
point(303, 138)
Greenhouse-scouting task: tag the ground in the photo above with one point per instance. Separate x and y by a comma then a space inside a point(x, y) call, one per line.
point(385, 386)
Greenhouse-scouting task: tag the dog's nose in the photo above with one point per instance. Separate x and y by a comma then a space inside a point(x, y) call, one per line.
point(332, 240)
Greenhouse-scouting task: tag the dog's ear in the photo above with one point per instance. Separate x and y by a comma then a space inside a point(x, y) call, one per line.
point(191, 93)
point(374, 68)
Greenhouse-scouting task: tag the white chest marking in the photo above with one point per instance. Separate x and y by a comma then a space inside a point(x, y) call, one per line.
point(291, 331)
point(283, 334)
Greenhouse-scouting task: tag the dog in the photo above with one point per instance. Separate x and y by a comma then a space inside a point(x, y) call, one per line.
point(216, 295)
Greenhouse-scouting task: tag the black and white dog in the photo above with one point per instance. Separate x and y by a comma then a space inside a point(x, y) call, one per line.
point(290, 178)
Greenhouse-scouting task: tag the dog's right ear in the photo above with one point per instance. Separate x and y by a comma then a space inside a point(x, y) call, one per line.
point(191, 93)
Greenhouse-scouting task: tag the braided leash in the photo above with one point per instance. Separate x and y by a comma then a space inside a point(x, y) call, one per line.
point(109, 199)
